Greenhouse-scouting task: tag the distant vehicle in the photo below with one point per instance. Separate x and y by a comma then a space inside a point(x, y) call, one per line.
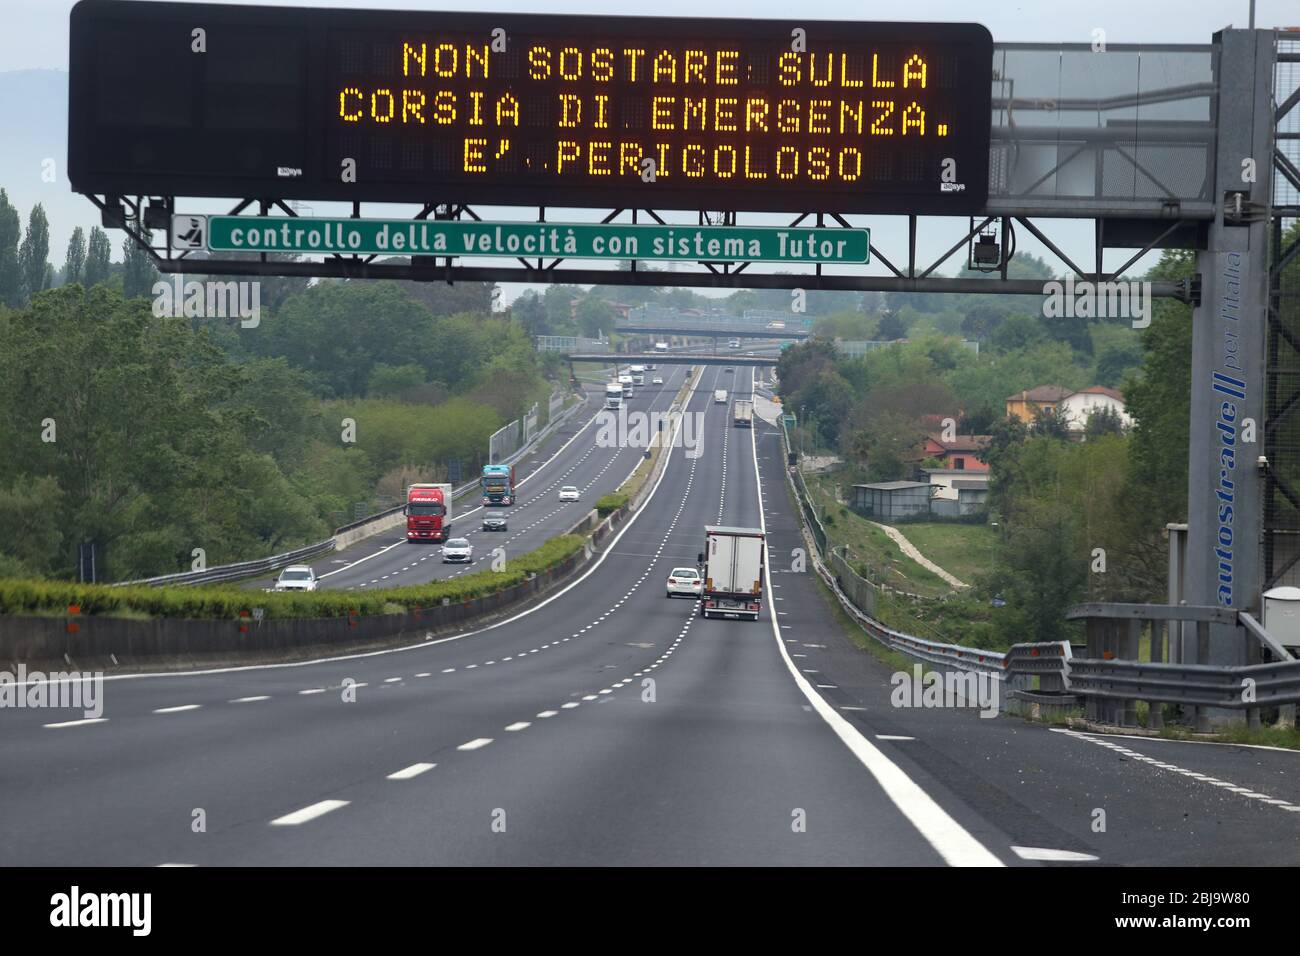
point(569, 493)
point(457, 550)
point(684, 581)
point(733, 572)
point(661, 346)
point(742, 413)
point(626, 382)
point(498, 484)
point(428, 512)
point(613, 395)
point(657, 380)
point(296, 577)
point(729, 370)
point(776, 325)
point(734, 343)
point(494, 522)
point(720, 397)
point(638, 374)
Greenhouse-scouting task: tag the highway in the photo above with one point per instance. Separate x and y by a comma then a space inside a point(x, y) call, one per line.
point(610, 725)
point(570, 456)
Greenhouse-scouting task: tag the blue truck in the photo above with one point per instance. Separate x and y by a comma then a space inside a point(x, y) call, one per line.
point(498, 484)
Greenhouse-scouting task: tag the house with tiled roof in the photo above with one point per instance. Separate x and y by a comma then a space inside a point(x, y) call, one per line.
point(1026, 404)
point(959, 454)
point(1074, 408)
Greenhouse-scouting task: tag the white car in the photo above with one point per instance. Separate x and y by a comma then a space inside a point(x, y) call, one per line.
point(298, 577)
point(657, 380)
point(568, 493)
point(457, 549)
point(685, 581)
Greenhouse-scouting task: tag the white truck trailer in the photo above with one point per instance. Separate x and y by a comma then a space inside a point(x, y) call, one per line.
point(613, 395)
point(732, 566)
point(742, 413)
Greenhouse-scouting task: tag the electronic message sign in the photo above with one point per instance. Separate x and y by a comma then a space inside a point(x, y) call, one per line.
point(264, 102)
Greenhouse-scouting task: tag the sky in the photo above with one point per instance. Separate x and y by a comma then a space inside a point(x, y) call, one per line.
point(35, 36)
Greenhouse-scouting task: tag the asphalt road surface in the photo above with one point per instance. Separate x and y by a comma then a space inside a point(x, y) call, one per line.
point(611, 725)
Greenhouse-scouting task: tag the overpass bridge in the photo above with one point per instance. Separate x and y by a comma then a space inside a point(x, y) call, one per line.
point(674, 358)
point(713, 331)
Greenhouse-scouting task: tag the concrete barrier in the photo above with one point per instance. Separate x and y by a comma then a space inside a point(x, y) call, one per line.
point(113, 644)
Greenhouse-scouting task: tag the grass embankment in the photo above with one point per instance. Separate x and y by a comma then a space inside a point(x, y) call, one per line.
point(940, 613)
point(964, 550)
point(55, 597)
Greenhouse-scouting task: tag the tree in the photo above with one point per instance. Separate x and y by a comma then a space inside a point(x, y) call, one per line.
point(1050, 423)
point(98, 258)
point(892, 326)
point(1116, 361)
point(1104, 421)
point(138, 272)
point(11, 283)
point(74, 263)
point(34, 253)
point(595, 316)
point(1017, 332)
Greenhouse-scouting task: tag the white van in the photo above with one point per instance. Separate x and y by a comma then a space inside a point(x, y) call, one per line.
point(720, 397)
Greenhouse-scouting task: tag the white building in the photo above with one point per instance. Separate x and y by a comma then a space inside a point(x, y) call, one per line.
point(1076, 407)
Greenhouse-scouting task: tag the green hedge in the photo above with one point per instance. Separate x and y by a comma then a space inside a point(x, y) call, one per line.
point(607, 504)
point(18, 596)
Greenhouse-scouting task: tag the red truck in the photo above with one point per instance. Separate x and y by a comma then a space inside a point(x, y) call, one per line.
point(428, 512)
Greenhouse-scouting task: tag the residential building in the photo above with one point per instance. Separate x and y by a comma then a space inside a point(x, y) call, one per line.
point(1076, 407)
point(960, 454)
point(1025, 405)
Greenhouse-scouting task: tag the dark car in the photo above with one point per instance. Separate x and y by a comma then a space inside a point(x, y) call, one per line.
point(494, 523)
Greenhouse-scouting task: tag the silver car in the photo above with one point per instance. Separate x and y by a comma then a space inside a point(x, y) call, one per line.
point(297, 577)
point(568, 493)
point(457, 550)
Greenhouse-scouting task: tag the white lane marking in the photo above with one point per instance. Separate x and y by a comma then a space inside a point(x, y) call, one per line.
point(307, 814)
point(414, 770)
point(885, 736)
point(177, 710)
point(1143, 758)
point(950, 839)
point(312, 690)
point(466, 514)
point(849, 707)
point(425, 674)
point(570, 705)
point(475, 744)
point(627, 525)
point(249, 700)
point(518, 725)
point(1057, 856)
point(548, 713)
point(391, 680)
point(82, 722)
point(163, 866)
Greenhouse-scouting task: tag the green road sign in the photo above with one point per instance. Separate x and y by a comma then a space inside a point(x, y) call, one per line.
point(424, 237)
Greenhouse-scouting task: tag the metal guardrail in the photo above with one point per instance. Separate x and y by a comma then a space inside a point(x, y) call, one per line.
point(1112, 679)
point(248, 569)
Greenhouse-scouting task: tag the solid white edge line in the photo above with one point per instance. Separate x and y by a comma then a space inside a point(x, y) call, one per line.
point(79, 722)
point(950, 839)
point(672, 444)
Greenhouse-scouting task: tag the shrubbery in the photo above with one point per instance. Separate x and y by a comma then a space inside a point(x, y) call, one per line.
point(19, 596)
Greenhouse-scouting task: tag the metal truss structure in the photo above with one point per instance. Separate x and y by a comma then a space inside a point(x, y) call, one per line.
point(1136, 160)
